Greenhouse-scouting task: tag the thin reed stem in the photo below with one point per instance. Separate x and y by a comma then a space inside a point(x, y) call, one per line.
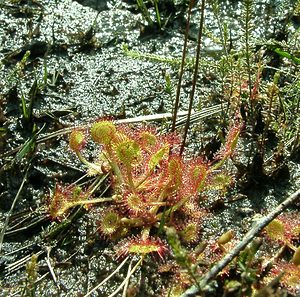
point(195, 76)
point(187, 29)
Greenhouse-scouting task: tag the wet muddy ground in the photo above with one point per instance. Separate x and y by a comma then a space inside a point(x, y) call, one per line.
point(90, 59)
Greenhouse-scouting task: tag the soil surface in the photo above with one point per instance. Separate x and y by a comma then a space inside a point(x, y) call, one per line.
point(92, 59)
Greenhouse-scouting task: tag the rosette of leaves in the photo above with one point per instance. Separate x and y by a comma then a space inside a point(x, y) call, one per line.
point(153, 185)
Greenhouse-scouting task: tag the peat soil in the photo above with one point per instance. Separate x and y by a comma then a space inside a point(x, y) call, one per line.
point(88, 60)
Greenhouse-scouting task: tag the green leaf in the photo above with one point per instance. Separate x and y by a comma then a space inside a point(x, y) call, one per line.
point(287, 55)
point(158, 157)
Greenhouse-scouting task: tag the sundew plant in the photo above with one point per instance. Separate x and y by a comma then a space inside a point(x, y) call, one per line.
point(156, 208)
point(153, 185)
point(155, 189)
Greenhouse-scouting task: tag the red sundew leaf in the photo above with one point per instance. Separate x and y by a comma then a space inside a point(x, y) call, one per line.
point(77, 140)
point(137, 204)
point(147, 137)
point(192, 209)
point(63, 198)
point(190, 232)
point(290, 278)
point(231, 141)
point(128, 130)
point(142, 247)
point(196, 171)
point(109, 223)
point(174, 140)
point(127, 151)
point(284, 228)
point(103, 132)
point(175, 172)
point(275, 230)
point(220, 182)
